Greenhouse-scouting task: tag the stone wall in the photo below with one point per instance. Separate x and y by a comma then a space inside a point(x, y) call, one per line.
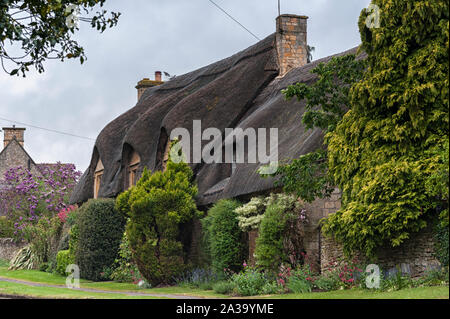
point(413, 257)
point(315, 211)
point(8, 248)
point(15, 156)
point(291, 42)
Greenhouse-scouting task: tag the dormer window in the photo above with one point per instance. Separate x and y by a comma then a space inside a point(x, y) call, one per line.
point(98, 177)
point(133, 169)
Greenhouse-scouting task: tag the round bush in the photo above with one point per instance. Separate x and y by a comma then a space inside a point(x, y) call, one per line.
point(63, 259)
point(99, 232)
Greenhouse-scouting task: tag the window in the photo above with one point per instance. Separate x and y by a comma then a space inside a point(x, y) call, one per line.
point(98, 177)
point(133, 166)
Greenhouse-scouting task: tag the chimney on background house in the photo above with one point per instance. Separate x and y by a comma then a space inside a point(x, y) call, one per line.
point(13, 132)
point(147, 83)
point(291, 42)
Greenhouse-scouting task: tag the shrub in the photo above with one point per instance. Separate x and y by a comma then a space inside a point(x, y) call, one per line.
point(271, 287)
point(278, 237)
point(63, 259)
point(125, 270)
point(158, 206)
point(99, 232)
point(198, 278)
point(249, 282)
point(251, 214)
point(24, 259)
point(342, 274)
point(396, 282)
point(434, 277)
point(6, 227)
point(224, 287)
point(301, 280)
point(224, 237)
point(43, 238)
point(327, 282)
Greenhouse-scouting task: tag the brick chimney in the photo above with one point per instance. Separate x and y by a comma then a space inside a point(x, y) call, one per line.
point(158, 76)
point(13, 132)
point(147, 83)
point(291, 42)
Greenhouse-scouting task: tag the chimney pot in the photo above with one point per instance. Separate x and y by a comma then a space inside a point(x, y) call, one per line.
point(146, 83)
point(158, 76)
point(291, 42)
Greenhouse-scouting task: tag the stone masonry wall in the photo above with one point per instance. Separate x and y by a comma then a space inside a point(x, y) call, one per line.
point(14, 156)
point(414, 256)
point(291, 42)
point(315, 211)
point(8, 248)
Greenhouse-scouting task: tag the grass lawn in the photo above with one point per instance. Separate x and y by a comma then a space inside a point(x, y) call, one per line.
point(19, 289)
point(36, 276)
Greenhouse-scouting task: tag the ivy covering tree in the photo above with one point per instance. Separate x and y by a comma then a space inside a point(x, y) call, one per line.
point(386, 148)
point(32, 31)
point(157, 207)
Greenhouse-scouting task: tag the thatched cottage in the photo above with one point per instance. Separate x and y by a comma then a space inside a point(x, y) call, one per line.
point(242, 91)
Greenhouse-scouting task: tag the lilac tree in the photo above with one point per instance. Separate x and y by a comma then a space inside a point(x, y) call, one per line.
point(27, 196)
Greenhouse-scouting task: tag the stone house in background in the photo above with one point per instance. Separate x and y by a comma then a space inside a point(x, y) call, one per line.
point(14, 154)
point(242, 91)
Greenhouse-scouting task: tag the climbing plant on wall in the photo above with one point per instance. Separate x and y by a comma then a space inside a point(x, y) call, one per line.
point(383, 152)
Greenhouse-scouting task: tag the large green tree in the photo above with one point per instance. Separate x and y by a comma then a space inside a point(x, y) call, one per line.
point(157, 207)
point(32, 31)
point(387, 146)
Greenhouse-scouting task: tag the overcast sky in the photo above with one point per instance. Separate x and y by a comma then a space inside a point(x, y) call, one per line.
point(176, 36)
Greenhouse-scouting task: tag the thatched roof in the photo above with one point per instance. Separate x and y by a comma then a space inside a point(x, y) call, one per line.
point(240, 91)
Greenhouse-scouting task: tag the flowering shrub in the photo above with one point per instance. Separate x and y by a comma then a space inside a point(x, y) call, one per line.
point(251, 214)
point(342, 274)
point(301, 280)
point(28, 196)
point(124, 269)
point(249, 282)
point(64, 214)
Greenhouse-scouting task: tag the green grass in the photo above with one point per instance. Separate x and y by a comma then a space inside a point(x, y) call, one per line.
point(54, 279)
point(4, 263)
point(438, 292)
point(14, 289)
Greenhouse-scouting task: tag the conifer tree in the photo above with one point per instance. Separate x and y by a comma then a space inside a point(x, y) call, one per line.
point(387, 146)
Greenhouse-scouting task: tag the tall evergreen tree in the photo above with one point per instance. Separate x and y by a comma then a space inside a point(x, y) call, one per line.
point(388, 145)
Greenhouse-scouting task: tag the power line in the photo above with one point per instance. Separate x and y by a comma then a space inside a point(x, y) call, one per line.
point(47, 129)
point(231, 17)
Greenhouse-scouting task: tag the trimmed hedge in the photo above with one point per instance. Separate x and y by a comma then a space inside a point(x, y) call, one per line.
point(99, 229)
point(224, 238)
